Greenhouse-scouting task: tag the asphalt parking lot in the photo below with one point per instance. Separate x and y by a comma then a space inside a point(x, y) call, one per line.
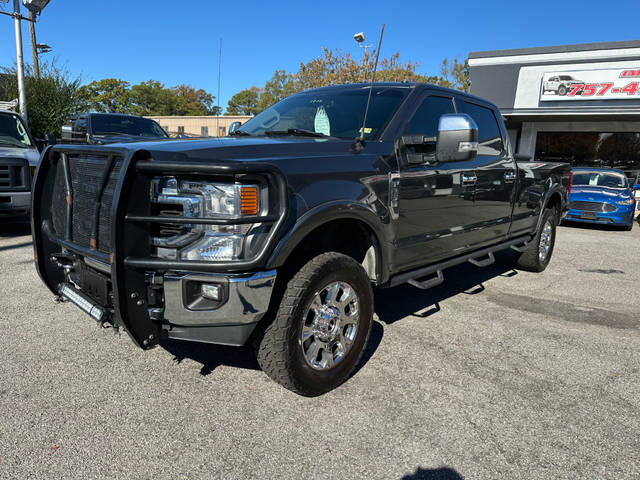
point(495, 374)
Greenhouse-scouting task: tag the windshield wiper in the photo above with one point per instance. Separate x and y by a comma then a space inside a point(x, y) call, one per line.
point(296, 131)
point(240, 132)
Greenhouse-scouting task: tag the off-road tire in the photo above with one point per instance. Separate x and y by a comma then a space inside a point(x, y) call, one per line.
point(529, 259)
point(278, 347)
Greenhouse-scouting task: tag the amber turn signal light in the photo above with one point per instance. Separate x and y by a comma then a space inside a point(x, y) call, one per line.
point(249, 200)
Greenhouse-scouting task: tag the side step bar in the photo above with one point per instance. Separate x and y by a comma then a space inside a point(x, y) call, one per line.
point(480, 258)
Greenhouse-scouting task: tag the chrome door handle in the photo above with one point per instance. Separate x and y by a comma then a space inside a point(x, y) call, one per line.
point(469, 178)
point(509, 176)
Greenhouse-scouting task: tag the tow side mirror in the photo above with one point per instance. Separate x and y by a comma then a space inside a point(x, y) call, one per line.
point(457, 139)
point(233, 127)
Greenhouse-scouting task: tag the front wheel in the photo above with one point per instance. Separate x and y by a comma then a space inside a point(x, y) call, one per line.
point(537, 255)
point(562, 90)
point(321, 328)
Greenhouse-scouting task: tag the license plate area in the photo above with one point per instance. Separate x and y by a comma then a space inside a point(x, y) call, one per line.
point(93, 284)
point(589, 215)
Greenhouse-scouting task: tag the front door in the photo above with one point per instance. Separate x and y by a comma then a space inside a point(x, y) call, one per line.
point(495, 177)
point(435, 200)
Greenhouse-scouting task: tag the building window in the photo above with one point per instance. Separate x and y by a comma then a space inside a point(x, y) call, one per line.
point(180, 130)
point(590, 149)
point(204, 131)
point(222, 131)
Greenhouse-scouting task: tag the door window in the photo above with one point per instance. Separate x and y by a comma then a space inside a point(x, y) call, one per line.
point(425, 120)
point(489, 136)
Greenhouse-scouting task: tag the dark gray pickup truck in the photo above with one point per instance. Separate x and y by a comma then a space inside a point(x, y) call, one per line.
point(276, 234)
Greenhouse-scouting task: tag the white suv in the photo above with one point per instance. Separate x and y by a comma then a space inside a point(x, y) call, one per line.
point(559, 84)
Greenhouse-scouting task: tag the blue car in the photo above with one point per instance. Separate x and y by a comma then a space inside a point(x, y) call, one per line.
point(601, 195)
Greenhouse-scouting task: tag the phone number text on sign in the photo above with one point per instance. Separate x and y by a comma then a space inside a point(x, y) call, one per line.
point(603, 84)
point(601, 89)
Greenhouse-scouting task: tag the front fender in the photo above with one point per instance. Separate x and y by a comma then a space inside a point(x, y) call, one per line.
point(330, 211)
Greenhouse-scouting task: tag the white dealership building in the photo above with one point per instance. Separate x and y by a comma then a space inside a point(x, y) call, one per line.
point(576, 103)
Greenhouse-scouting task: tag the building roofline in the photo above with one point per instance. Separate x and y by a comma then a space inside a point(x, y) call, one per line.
point(580, 47)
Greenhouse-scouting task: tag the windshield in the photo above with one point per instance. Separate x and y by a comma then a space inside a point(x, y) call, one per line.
point(599, 179)
point(120, 124)
point(13, 132)
point(333, 113)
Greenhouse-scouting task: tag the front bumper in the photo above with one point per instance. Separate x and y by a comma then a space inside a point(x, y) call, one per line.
point(15, 203)
point(622, 216)
point(244, 300)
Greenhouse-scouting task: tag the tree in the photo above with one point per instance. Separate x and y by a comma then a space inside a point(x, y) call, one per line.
point(333, 67)
point(456, 73)
point(194, 102)
point(51, 99)
point(152, 98)
point(107, 95)
point(245, 102)
point(280, 86)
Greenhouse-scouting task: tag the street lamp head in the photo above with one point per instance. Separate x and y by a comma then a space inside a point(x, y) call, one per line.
point(35, 6)
point(43, 48)
point(359, 37)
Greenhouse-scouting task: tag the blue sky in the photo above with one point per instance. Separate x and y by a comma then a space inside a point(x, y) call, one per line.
point(177, 42)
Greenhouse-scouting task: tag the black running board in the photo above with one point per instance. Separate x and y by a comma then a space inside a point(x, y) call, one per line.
point(479, 258)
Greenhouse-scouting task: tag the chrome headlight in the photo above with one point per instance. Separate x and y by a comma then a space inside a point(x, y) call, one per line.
point(628, 201)
point(201, 199)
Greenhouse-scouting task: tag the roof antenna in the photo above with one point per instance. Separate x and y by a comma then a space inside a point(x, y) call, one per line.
point(359, 143)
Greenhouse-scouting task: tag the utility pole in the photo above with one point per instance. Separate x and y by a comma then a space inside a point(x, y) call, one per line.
point(22, 96)
point(34, 45)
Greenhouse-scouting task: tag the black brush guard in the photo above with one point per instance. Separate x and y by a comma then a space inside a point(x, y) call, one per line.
point(130, 261)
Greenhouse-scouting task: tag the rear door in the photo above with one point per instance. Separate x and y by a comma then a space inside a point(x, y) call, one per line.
point(435, 203)
point(495, 172)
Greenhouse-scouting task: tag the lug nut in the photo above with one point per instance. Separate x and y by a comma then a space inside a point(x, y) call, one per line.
point(134, 295)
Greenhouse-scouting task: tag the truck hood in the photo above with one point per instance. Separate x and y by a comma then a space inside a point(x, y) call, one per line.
point(30, 154)
point(121, 138)
point(245, 148)
point(598, 194)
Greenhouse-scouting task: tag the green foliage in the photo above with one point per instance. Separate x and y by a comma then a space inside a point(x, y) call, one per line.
point(146, 98)
point(456, 73)
point(335, 67)
point(280, 86)
point(51, 99)
point(245, 102)
point(107, 95)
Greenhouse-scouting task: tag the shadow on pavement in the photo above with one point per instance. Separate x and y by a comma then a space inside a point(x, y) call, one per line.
point(211, 356)
point(443, 473)
point(396, 303)
point(14, 228)
point(593, 226)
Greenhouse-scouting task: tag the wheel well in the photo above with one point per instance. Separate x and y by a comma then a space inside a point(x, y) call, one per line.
point(347, 236)
point(555, 202)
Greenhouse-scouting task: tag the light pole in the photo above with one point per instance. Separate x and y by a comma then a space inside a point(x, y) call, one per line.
point(34, 7)
point(22, 95)
point(359, 37)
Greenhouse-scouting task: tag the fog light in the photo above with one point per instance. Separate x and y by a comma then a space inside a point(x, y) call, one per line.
point(211, 291)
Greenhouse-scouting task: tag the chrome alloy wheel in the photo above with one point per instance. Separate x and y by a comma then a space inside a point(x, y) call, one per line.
point(546, 236)
point(330, 325)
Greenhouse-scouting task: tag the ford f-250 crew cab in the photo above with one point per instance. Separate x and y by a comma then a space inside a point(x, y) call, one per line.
point(279, 231)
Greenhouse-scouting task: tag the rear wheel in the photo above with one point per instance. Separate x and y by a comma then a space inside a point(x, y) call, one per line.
point(321, 328)
point(538, 253)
